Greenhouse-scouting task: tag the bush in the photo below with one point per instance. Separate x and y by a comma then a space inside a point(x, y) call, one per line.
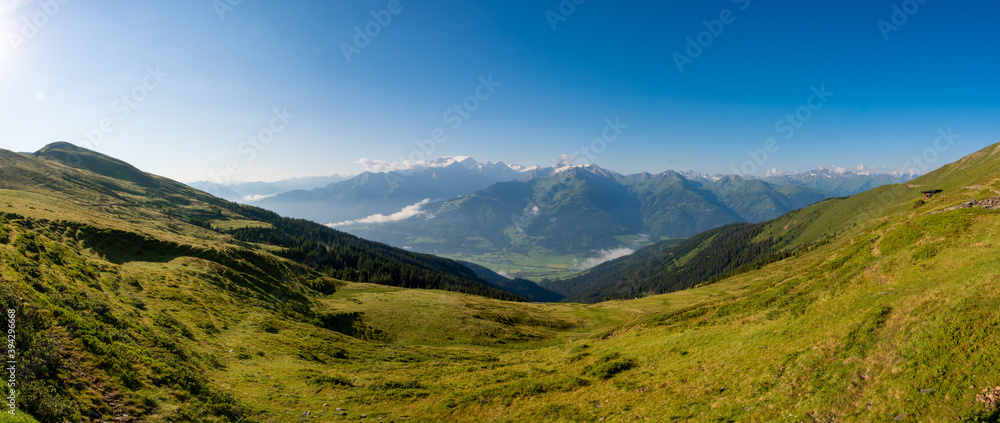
point(925, 252)
point(38, 364)
point(269, 327)
point(45, 403)
point(4, 231)
point(900, 238)
point(612, 368)
point(329, 380)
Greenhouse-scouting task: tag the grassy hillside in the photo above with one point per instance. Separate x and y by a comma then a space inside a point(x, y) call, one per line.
point(737, 248)
point(522, 287)
point(893, 317)
point(153, 206)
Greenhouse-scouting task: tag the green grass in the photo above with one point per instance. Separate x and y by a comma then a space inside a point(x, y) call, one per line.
point(894, 314)
point(528, 266)
point(228, 225)
point(858, 330)
point(18, 417)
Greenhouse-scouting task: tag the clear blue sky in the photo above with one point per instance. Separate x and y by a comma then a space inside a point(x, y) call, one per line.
point(221, 79)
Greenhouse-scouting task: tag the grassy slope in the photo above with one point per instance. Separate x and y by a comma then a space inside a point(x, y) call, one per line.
point(898, 301)
point(724, 251)
point(114, 191)
point(894, 317)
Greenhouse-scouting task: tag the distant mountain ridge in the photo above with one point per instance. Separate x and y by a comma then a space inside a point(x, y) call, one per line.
point(387, 192)
point(457, 205)
point(841, 183)
point(735, 248)
point(584, 208)
point(387, 188)
point(250, 192)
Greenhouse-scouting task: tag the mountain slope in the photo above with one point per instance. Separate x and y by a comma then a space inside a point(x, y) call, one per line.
point(736, 248)
point(522, 287)
point(104, 184)
point(892, 317)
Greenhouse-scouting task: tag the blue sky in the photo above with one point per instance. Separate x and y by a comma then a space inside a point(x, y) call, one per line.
point(200, 78)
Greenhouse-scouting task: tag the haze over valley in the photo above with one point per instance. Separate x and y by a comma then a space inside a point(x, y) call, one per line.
point(566, 217)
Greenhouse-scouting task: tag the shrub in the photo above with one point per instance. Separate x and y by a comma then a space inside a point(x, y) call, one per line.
point(925, 252)
point(329, 380)
point(900, 238)
point(612, 368)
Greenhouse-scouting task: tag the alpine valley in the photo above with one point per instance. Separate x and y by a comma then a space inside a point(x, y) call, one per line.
point(551, 222)
point(138, 298)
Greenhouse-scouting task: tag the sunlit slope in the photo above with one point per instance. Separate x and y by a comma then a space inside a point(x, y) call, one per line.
point(739, 247)
point(81, 185)
point(891, 313)
point(863, 328)
point(893, 317)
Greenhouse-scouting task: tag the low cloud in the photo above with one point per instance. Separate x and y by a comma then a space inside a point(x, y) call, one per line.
point(603, 256)
point(256, 197)
point(380, 166)
point(406, 213)
point(565, 159)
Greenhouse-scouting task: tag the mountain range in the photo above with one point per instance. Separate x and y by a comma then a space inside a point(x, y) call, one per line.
point(582, 209)
point(136, 298)
point(456, 205)
point(251, 192)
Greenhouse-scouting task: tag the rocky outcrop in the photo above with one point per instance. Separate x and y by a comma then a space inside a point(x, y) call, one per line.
point(990, 397)
point(988, 204)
